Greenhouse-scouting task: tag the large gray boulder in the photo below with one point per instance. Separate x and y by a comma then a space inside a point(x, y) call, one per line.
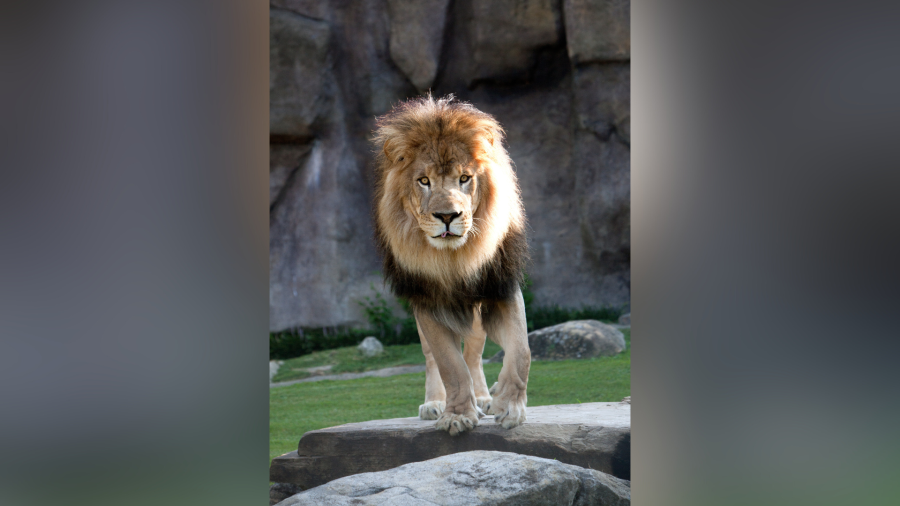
point(370, 347)
point(574, 339)
point(473, 478)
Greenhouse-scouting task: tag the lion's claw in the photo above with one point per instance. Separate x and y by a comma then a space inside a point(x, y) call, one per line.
point(456, 424)
point(507, 406)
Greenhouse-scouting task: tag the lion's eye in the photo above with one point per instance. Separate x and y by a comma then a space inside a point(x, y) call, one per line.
point(423, 181)
point(464, 178)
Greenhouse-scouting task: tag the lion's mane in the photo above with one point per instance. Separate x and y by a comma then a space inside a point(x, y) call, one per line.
point(490, 265)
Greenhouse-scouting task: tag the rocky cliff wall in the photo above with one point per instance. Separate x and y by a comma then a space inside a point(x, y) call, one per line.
point(555, 73)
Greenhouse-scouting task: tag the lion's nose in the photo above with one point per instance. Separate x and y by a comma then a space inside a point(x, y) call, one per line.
point(446, 217)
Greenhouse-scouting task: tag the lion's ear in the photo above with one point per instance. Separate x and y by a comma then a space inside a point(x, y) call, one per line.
point(387, 150)
point(491, 133)
point(394, 150)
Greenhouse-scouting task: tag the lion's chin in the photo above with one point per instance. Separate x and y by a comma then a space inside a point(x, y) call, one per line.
point(450, 242)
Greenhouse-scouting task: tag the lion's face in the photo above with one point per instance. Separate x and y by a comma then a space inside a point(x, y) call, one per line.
point(446, 195)
point(443, 197)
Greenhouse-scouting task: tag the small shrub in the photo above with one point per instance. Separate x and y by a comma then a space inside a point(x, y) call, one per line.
point(301, 341)
point(380, 316)
point(527, 294)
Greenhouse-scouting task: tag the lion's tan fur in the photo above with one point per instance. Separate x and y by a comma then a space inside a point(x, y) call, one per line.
point(456, 248)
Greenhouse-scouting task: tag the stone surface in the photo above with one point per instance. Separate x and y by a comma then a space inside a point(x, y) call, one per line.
point(603, 99)
point(316, 9)
point(473, 478)
point(574, 339)
point(603, 200)
point(417, 36)
point(284, 161)
point(300, 89)
point(592, 435)
point(337, 65)
point(281, 491)
point(625, 319)
point(506, 35)
point(370, 347)
point(598, 30)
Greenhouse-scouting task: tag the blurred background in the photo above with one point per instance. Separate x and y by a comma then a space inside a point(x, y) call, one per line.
point(555, 73)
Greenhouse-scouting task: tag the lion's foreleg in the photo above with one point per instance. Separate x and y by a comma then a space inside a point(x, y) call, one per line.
point(504, 321)
point(472, 354)
point(460, 413)
point(435, 394)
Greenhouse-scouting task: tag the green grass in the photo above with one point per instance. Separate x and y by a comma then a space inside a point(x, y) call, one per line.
point(349, 359)
point(296, 409)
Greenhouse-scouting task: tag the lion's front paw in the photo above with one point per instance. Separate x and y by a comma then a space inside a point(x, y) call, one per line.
point(431, 410)
point(507, 406)
point(455, 423)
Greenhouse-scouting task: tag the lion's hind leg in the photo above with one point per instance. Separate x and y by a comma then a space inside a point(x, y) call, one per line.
point(474, 348)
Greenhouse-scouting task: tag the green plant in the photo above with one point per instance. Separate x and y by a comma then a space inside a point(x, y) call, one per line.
point(301, 341)
point(380, 316)
point(527, 294)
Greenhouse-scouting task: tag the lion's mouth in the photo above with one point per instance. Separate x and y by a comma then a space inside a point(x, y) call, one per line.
point(445, 234)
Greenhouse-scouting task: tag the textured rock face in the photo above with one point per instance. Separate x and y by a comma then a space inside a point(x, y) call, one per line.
point(470, 478)
point(556, 74)
point(300, 88)
point(598, 30)
point(506, 35)
point(575, 339)
point(417, 36)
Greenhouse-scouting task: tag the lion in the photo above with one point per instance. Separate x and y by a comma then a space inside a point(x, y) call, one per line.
point(450, 225)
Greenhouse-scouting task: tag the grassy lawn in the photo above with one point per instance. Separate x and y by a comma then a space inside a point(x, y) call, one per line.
point(296, 409)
